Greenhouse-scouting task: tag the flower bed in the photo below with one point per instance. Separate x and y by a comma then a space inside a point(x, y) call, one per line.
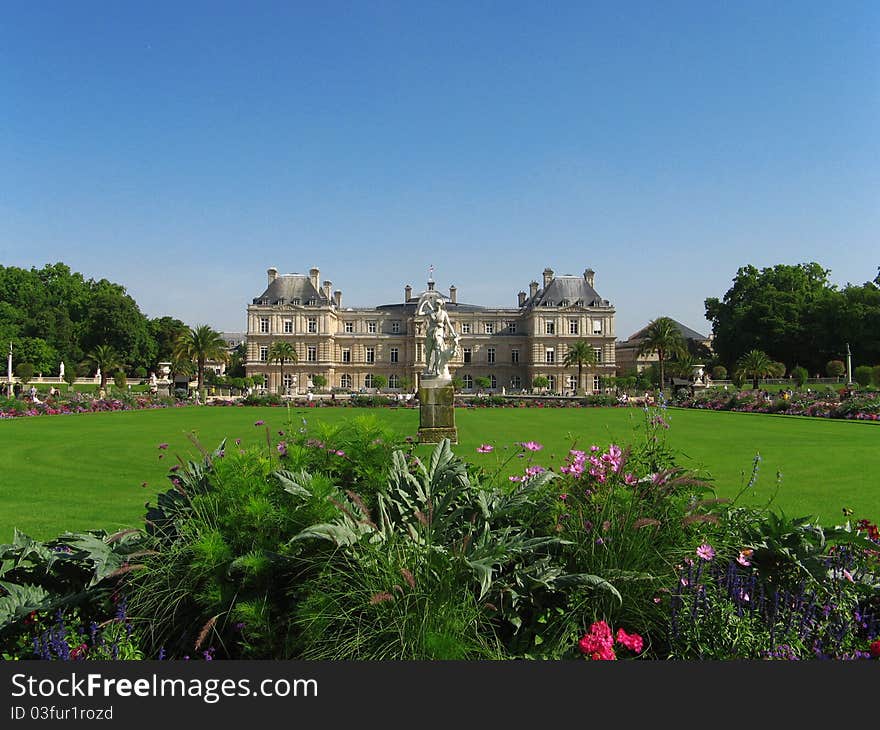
point(14, 408)
point(859, 406)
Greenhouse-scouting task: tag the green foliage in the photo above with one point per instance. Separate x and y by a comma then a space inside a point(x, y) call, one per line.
point(662, 336)
point(199, 345)
point(835, 368)
point(320, 382)
point(719, 372)
point(282, 351)
point(796, 316)
point(72, 569)
point(800, 375)
point(106, 358)
point(863, 375)
point(25, 371)
point(541, 381)
point(460, 540)
point(119, 379)
point(755, 365)
point(482, 381)
point(379, 381)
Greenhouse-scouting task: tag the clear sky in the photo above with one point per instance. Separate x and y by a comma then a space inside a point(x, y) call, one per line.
point(182, 148)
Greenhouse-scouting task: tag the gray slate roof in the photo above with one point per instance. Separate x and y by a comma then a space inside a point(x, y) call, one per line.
point(686, 332)
point(288, 287)
point(572, 289)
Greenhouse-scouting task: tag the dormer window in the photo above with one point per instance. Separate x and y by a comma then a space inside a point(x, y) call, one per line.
point(312, 302)
point(564, 303)
point(295, 301)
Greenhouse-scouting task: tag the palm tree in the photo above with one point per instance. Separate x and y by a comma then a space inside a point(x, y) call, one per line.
point(662, 336)
point(755, 365)
point(580, 353)
point(200, 345)
point(105, 359)
point(280, 352)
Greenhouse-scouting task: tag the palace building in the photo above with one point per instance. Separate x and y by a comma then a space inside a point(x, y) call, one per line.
point(507, 347)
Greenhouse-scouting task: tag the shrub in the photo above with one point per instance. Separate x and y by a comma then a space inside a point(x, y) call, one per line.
point(800, 375)
point(482, 382)
point(69, 374)
point(25, 371)
point(140, 372)
point(541, 381)
point(379, 382)
point(320, 381)
point(835, 368)
point(863, 375)
point(119, 379)
point(719, 372)
point(875, 375)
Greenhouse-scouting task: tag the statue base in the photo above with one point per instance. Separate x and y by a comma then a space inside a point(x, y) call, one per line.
point(437, 413)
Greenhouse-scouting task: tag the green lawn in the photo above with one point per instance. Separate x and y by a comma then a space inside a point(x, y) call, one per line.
point(87, 471)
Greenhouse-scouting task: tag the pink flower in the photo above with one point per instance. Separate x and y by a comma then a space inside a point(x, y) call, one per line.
point(163, 446)
point(848, 576)
point(258, 423)
point(598, 643)
point(633, 642)
point(705, 552)
point(339, 453)
point(485, 449)
point(531, 446)
point(743, 558)
point(630, 479)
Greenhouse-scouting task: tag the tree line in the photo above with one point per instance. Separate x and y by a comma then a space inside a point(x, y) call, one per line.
point(795, 316)
point(53, 315)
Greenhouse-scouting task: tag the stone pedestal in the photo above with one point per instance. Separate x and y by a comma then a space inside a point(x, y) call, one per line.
point(436, 413)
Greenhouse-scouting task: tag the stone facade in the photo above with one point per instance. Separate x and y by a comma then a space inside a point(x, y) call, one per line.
point(350, 346)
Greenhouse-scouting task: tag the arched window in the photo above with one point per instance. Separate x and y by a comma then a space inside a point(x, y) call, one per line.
point(393, 381)
point(468, 382)
point(345, 381)
point(515, 381)
point(552, 383)
point(493, 382)
point(572, 382)
point(368, 381)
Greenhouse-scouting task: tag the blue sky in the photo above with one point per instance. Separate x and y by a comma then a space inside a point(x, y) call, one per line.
point(181, 149)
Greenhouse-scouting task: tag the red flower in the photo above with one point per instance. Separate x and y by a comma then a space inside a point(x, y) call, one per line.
point(874, 648)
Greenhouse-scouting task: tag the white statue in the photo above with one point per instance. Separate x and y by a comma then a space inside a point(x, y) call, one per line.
point(441, 339)
point(98, 375)
point(61, 370)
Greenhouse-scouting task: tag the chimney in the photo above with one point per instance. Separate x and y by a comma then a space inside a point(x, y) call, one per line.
point(522, 298)
point(430, 285)
point(327, 287)
point(533, 289)
point(337, 298)
point(453, 294)
point(548, 277)
point(315, 278)
point(273, 274)
point(589, 275)
point(407, 293)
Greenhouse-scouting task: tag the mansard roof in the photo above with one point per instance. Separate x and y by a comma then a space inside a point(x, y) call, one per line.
point(686, 332)
point(574, 290)
point(288, 287)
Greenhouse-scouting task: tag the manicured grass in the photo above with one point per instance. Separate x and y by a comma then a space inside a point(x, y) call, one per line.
point(87, 471)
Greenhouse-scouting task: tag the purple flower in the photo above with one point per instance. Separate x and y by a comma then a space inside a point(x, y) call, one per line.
point(339, 453)
point(163, 446)
point(258, 423)
point(282, 448)
point(485, 449)
point(531, 446)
